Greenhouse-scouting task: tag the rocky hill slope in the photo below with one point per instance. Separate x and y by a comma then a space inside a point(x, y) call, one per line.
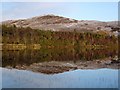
point(58, 23)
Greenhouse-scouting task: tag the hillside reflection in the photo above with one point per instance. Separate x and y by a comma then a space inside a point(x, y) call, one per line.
point(28, 57)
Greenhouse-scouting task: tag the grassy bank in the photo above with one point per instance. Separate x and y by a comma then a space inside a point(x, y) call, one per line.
point(20, 46)
point(38, 47)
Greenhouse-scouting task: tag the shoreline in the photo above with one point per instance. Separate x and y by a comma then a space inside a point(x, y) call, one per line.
point(55, 67)
point(38, 46)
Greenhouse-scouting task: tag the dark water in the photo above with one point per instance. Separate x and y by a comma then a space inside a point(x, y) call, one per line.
point(27, 57)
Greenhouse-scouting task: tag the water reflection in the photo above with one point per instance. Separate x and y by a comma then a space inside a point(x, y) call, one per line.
point(54, 61)
point(101, 78)
point(27, 57)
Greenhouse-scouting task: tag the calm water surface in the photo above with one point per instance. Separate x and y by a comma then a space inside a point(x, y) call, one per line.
point(94, 78)
point(101, 78)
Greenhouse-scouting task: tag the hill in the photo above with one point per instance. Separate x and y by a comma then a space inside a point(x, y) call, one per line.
point(59, 23)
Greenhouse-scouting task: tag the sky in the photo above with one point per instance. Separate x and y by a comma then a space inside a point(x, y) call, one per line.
point(101, 11)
